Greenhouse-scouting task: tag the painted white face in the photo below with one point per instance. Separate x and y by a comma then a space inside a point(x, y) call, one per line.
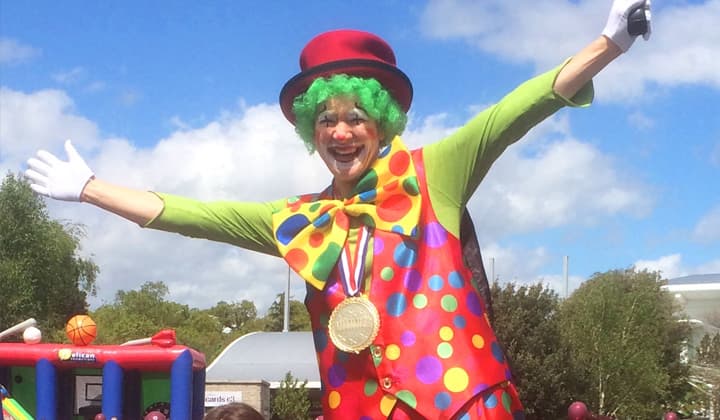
point(347, 140)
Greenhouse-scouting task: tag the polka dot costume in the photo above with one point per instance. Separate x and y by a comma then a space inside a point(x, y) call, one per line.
point(310, 233)
point(436, 356)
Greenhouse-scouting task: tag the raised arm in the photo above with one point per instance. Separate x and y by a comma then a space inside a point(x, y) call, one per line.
point(73, 180)
point(617, 37)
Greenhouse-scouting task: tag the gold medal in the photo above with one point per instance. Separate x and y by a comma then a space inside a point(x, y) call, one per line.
point(354, 324)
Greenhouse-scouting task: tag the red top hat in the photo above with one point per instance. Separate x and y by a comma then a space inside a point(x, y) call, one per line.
point(351, 52)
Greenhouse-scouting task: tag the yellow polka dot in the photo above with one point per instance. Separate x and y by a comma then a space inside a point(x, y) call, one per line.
point(392, 351)
point(478, 341)
point(446, 333)
point(334, 399)
point(456, 379)
point(386, 404)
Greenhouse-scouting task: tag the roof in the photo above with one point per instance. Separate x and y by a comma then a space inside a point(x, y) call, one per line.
point(696, 279)
point(699, 295)
point(697, 287)
point(267, 356)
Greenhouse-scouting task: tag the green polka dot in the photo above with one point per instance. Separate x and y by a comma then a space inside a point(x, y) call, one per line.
point(292, 200)
point(324, 319)
point(369, 182)
point(444, 350)
point(420, 301)
point(507, 401)
point(410, 186)
point(367, 220)
point(407, 397)
point(387, 273)
point(313, 207)
point(370, 387)
point(449, 303)
point(326, 261)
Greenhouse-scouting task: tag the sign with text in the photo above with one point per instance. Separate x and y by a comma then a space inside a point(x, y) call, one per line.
point(216, 398)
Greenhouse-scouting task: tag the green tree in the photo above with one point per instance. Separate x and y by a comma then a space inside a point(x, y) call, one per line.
point(527, 327)
point(238, 317)
point(624, 344)
point(292, 399)
point(43, 276)
point(299, 317)
point(142, 313)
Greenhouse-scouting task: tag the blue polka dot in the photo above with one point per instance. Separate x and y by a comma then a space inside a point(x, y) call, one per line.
point(384, 151)
point(405, 254)
point(459, 321)
point(456, 281)
point(442, 400)
point(321, 340)
point(465, 416)
point(435, 283)
point(322, 220)
point(491, 401)
point(341, 356)
point(367, 195)
point(290, 227)
point(396, 304)
point(497, 352)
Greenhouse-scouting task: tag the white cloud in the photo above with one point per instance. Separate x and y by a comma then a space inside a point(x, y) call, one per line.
point(681, 50)
point(672, 266)
point(14, 52)
point(708, 228)
point(69, 77)
point(669, 266)
point(252, 153)
point(538, 184)
point(41, 119)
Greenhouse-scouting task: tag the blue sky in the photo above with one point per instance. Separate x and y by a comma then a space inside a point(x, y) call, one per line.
point(181, 97)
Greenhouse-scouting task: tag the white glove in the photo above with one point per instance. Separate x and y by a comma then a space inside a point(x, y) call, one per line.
point(616, 27)
point(58, 179)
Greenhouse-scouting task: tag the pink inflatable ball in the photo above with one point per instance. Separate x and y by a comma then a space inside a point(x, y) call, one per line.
point(670, 416)
point(577, 411)
point(100, 416)
point(155, 415)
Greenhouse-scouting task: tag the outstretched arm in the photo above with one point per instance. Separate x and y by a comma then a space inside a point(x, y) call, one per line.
point(616, 38)
point(73, 180)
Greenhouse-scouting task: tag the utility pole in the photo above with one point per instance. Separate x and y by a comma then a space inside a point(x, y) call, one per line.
point(286, 317)
point(565, 275)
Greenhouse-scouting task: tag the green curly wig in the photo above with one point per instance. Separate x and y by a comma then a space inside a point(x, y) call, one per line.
point(370, 94)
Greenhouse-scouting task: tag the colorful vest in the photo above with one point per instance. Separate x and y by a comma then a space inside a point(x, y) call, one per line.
point(435, 349)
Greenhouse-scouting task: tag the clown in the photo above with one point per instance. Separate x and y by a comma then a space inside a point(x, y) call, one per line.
point(399, 329)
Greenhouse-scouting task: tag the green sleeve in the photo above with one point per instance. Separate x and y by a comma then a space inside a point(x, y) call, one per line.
point(244, 224)
point(456, 164)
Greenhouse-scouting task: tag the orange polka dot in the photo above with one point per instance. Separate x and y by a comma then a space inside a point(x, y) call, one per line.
point(342, 221)
point(326, 208)
point(297, 258)
point(316, 239)
point(394, 208)
point(399, 163)
point(334, 399)
point(391, 185)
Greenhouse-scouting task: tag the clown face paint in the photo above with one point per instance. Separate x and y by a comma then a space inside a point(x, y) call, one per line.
point(347, 140)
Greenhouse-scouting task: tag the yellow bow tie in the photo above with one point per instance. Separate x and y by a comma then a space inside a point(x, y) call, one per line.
point(311, 231)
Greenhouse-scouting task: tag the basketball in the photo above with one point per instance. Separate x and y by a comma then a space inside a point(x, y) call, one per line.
point(81, 330)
